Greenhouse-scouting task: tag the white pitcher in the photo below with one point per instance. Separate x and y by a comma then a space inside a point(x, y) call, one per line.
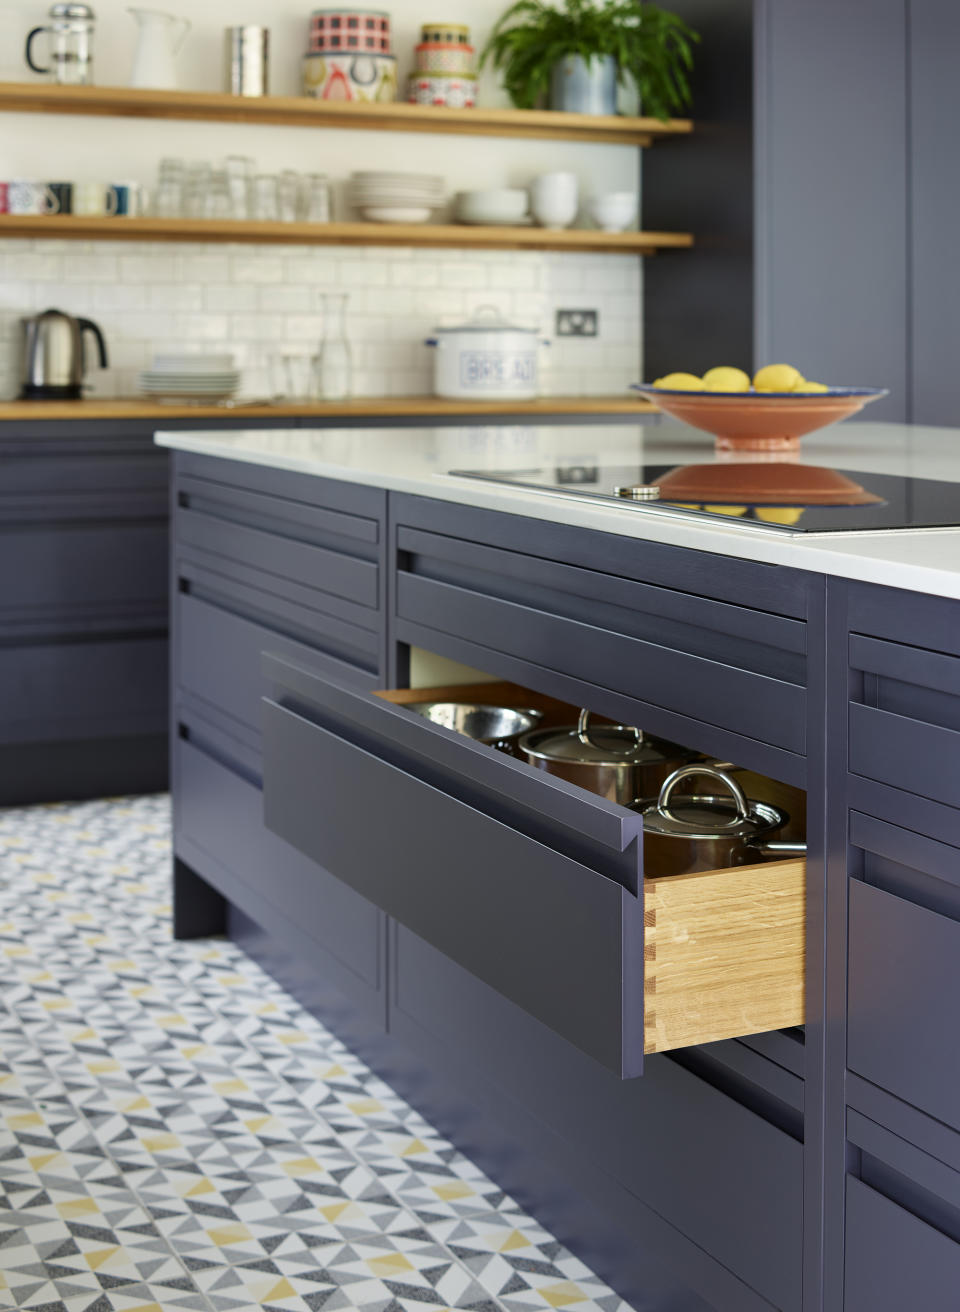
point(158, 42)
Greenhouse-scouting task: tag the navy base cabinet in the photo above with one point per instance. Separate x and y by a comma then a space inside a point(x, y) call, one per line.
point(83, 613)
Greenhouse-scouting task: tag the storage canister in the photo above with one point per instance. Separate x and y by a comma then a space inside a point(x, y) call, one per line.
point(486, 357)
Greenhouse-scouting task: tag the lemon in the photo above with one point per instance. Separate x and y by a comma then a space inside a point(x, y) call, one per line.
point(779, 514)
point(806, 386)
point(726, 379)
point(777, 378)
point(680, 382)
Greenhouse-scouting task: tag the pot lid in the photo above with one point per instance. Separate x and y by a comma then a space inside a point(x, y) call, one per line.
point(488, 319)
point(599, 744)
point(71, 11)
point(708, 815)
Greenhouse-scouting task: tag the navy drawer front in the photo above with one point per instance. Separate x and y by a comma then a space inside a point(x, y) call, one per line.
point(361, 788)
point(220, 831)
point(905, 718)
point(689, 1169)
point(80, 566)
point(84, 690)
point(905, 617)
point(904, 979)
point(895, 1261)
point(219, 655)
point(728, 666)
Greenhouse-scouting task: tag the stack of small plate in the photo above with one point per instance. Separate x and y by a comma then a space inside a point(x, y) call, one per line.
point(385, 197)
point(189, 378)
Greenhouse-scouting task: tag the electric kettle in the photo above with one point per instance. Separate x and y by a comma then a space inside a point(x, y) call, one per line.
point(53, 361)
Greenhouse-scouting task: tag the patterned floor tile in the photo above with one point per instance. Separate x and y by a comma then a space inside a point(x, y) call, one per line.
point(177, 1133)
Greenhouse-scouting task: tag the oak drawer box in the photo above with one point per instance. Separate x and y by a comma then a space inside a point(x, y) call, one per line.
point(530, 883)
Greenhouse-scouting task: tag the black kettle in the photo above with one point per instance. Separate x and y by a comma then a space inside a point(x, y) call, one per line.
point(52, 366)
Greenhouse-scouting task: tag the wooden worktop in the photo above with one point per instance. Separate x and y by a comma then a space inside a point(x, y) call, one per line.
point(374, 407)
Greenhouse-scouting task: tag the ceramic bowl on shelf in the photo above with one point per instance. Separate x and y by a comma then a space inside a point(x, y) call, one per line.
point(495, 206)
point(350, 77)
point(614, 211)
point(454, 90)
point(760, 421)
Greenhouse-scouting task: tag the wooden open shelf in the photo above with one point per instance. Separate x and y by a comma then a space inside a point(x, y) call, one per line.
point(304, 111)
point(368, 407)
point(458, 235)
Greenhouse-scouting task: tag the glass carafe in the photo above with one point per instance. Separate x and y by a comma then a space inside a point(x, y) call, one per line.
point(335, 366)
point(70, 29)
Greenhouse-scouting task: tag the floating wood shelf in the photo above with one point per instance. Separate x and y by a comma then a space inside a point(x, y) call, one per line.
point(304, 111)
point(372, 407)
point(458, 235)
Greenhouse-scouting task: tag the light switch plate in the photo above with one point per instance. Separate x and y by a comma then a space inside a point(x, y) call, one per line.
point(577, 323)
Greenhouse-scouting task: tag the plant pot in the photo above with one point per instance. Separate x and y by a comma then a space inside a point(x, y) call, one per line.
point(584, 88)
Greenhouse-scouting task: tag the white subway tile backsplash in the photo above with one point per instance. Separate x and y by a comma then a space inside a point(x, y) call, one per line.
point(253, 300)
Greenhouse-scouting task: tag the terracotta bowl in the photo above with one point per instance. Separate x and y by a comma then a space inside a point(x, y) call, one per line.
point(748, 484)
point(760, 421)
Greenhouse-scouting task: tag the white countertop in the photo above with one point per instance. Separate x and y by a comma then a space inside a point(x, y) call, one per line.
point(416, 460)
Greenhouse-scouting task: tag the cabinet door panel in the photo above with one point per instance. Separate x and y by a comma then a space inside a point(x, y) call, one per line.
point(894, 1260)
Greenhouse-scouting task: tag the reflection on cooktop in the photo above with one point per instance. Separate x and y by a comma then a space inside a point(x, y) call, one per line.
point(796, 501)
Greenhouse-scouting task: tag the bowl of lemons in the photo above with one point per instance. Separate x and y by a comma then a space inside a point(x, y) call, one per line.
point(769, 412)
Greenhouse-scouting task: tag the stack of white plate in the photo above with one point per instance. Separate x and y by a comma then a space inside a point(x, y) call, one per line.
point(189, 378)
point(384, 197)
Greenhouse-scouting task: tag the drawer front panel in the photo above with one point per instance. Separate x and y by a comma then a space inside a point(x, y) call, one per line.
point(83, 690)
point(72, 567)
point(905, 721)
point(894, 1260)
point(219, 656)
point(348, 576)
point(671, 1139)
point(755, 705)
point(904, 979)
point(557, 938)
point(220, 816)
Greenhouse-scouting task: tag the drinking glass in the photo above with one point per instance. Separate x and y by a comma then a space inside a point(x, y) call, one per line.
point(316, 198)
point(198, 199)
point(239, 170)
point(168, 199)
point(292, 375)
point(265, 201)
point(288, 196)
point(220, 206)
point(335, 367)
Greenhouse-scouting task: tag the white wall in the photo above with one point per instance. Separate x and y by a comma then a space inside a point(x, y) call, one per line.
point(253, 299)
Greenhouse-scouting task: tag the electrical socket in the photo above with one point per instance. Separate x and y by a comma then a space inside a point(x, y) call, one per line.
point(577, 323)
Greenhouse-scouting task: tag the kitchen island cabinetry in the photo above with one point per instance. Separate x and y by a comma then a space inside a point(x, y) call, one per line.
point(485, 934)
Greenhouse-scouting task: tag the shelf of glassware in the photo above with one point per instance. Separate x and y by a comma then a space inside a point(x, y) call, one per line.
point(455, 235)
point(306, 111)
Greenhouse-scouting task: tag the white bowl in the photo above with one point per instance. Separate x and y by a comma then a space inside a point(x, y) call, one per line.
point(614, 211)
point(396, 213)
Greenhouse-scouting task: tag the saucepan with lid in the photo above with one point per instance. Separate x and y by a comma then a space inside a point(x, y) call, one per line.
point(686, 833)
point(615, 760)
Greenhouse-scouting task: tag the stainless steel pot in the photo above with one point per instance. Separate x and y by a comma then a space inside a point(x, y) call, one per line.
point(686, 833)
point(497, 726)
point(614, 760)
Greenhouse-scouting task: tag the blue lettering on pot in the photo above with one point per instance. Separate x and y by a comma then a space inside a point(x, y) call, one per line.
point(495, 369)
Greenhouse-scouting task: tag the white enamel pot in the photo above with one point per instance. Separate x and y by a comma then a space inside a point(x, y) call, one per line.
point(486, 359)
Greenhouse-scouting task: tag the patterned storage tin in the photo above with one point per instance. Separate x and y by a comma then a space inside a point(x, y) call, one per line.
point(437, 57)
point(336, 31)
point(452, 34)
point(455, 91)
point(350, 77)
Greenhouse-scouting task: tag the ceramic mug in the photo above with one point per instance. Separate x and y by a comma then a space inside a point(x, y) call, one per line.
point(554, 199)
point(3, 197)
point(63, 193)
point(93, 198)
point(131, 199)
point(30, 198)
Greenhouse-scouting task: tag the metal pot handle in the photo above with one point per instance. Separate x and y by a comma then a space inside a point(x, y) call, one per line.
point(583, 733)
point(707, 772)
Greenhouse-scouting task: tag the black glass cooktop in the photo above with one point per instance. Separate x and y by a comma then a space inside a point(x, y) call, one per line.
point(903, 502)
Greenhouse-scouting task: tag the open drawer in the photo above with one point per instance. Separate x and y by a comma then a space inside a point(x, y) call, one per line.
point(531, 883)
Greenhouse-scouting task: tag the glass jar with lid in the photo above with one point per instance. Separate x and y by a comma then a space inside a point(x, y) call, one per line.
point(69, 28)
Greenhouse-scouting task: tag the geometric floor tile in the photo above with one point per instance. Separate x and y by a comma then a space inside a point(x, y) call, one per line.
point(176, 1132)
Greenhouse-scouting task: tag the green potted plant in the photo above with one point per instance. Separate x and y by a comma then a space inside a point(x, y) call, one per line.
point(575, 54)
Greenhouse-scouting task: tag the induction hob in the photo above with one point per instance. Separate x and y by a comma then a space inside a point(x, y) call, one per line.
point(904, 502)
